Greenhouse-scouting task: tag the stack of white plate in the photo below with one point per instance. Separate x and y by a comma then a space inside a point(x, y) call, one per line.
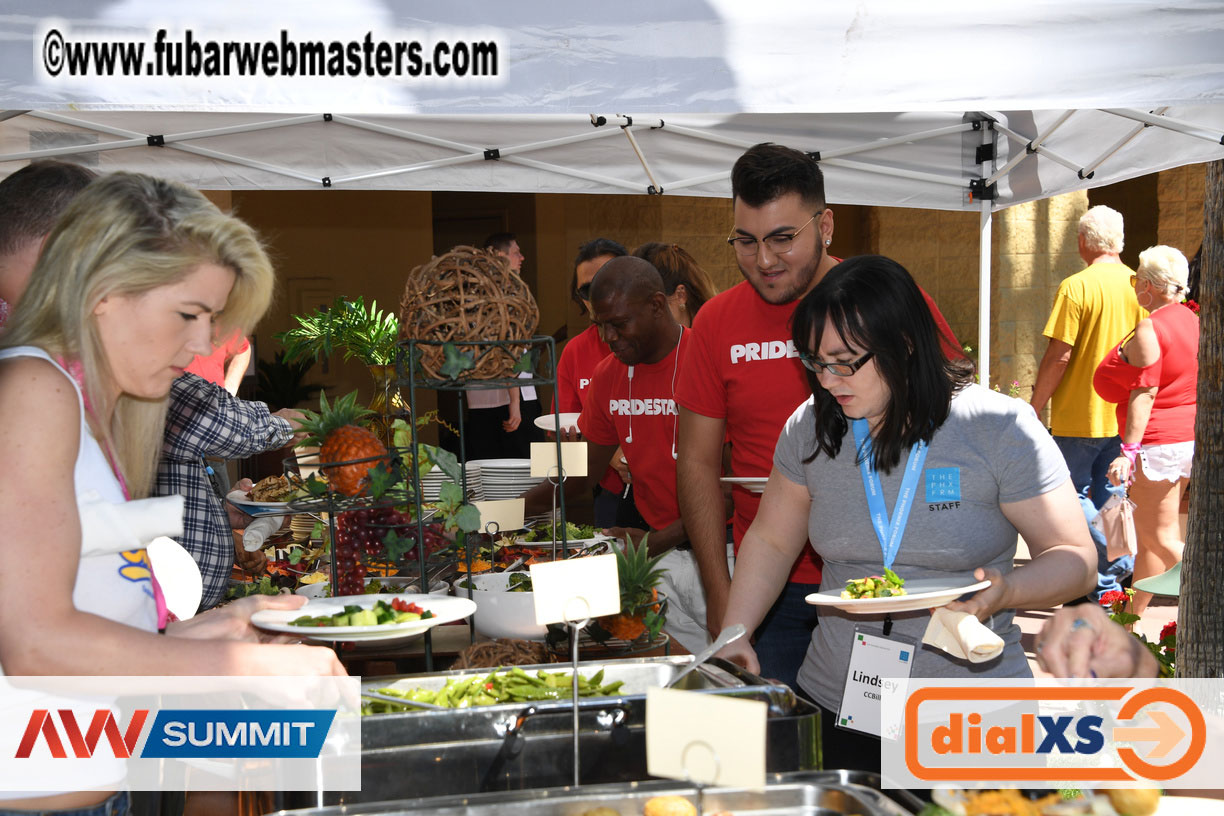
point(431, 483)
point(504, 478)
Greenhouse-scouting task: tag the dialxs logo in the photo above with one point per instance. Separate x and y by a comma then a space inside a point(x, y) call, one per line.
point(767, 350)
point(180, 733)
point(1002, 734)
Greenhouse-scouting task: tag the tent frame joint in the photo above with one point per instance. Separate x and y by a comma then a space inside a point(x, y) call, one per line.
point(492, 154)
point(327, 117)
point(984, 153)
point(156, 140)
point(979, 189)
point(327, 181)
point(814, 155)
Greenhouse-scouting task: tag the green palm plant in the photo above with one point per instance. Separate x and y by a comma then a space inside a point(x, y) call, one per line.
point(345, 326)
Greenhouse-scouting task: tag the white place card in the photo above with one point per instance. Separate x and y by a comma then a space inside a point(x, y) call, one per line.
point(507, 514)
point(544, 459)
point(705, 739)
point(575, 589)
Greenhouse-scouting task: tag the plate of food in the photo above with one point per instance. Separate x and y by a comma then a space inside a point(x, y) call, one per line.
point(365, 617)
point(549, 422)
point(878, 594)
point(270, 494)
point(755, 484)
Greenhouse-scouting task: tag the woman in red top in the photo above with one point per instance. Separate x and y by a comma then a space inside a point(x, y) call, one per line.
point(1153, 377)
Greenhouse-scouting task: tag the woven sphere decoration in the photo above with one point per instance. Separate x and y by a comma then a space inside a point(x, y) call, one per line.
point(468, 295)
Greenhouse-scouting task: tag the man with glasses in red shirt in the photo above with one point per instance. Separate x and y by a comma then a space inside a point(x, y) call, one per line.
point(742, 379)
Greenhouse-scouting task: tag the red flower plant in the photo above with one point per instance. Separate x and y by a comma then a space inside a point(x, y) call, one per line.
point(1114, 600)
point(1170, 628)
point(1192, 305)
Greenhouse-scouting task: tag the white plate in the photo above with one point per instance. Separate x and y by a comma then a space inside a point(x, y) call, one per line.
point(755, 484)
point(445, 610)
point(178, 575)
point(548, 422)
point(256, 508)
point(923, 593)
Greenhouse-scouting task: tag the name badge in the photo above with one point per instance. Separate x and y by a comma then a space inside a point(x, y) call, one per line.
point(877, 664)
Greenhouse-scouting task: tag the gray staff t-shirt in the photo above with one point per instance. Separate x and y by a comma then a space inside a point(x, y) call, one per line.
point(992, 449)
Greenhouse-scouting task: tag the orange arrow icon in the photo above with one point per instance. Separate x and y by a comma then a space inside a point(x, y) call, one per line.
point(1166, 733)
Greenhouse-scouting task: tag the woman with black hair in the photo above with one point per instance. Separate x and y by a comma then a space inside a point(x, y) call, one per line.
point(900, 460)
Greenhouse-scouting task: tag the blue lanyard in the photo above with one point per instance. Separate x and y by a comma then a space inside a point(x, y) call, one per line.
point(889, 533)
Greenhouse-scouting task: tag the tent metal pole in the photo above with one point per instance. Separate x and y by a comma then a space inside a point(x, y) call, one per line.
point(984, 223)
point(828, 154)
point(1031, 144)
point(1116, 146)
point(1168, 123)
point(51, 152)
point(896, 140)
point(244, 162)
point(185, 148)
point(250, 127)
point(565, 171)
point(897, 172)
point(984, 253)
point(409, 168)
point(467, 148)
point(864, 167)
point(654, 184)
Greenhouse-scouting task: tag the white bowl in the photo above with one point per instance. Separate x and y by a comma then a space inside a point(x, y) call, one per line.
point(319, 590)
point(500, 613)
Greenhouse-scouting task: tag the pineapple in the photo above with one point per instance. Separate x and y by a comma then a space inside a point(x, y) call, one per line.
point(638, 580)
point(340, 439)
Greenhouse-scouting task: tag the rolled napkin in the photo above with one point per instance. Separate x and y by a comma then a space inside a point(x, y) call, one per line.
point(962, 635)
point(108, 528)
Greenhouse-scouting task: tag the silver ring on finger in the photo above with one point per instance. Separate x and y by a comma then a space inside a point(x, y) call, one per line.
point(1080, 623)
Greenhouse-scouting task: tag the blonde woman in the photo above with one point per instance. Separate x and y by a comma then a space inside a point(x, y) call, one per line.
point(1152, 375)
point(126, 293)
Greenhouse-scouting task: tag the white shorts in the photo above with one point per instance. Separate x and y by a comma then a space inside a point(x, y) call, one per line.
point(1167, 463)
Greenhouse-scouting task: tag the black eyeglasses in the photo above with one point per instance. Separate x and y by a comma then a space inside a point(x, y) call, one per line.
point(584, 291)
point(837, 369)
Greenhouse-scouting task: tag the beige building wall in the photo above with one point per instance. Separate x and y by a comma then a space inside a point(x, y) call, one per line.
point(1180, 196)
point(326, 243)
point(332, 242)
point(1033, 247)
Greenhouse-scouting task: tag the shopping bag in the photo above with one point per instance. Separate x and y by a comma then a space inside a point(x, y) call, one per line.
point(1117, 522)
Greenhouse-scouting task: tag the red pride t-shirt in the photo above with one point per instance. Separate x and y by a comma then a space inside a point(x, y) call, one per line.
point(743, 368)
point(574, 372)
point(648, 407)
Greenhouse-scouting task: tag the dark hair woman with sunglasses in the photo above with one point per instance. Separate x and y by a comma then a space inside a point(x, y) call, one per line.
point(899, 460)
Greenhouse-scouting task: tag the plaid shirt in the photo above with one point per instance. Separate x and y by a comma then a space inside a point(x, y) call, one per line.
point(204, 420)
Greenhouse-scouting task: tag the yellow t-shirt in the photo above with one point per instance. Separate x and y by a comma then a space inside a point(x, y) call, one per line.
point(1093, 310)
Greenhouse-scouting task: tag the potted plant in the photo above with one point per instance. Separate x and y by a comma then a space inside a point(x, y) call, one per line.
point(347, 326)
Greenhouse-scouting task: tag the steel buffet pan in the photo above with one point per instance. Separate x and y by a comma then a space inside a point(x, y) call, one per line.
point(812, 793)
point(516, 746)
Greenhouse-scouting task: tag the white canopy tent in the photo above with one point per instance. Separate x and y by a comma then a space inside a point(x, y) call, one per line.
point(1002, 105)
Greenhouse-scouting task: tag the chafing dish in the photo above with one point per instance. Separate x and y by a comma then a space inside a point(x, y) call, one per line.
point(518, 746)
point(818, 793)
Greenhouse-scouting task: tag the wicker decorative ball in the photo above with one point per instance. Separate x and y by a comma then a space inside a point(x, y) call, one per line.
point(467, 296)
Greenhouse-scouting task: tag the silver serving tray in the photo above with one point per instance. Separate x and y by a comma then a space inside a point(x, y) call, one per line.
point(813, 793)
point(638, 674)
